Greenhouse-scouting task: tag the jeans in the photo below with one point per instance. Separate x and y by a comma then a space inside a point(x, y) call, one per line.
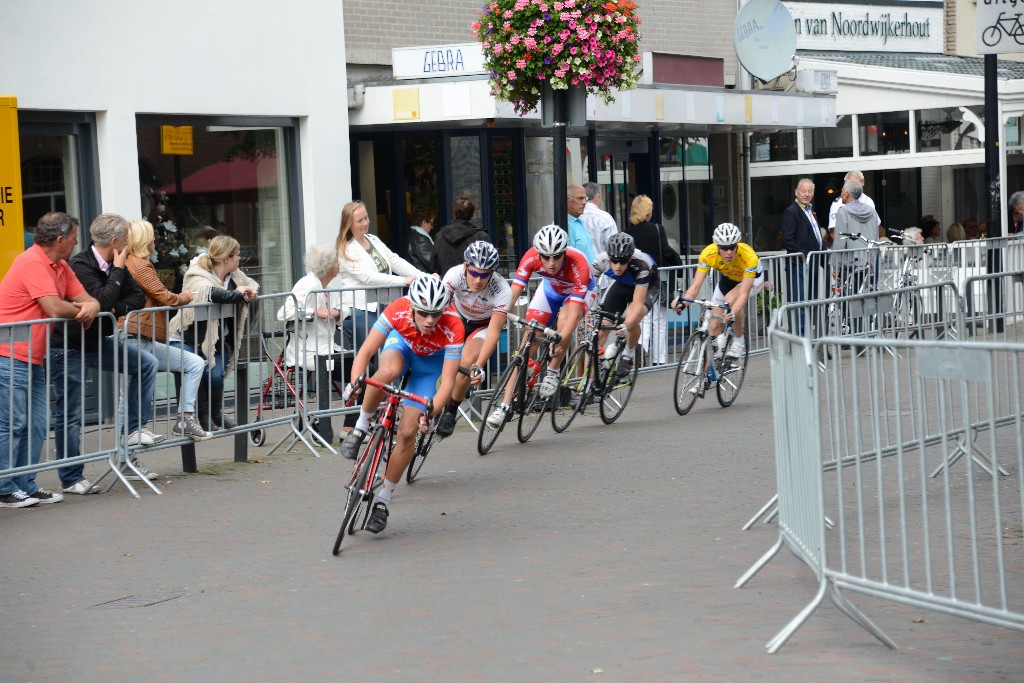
point(139, 368)
point(356, 328)
point(176, 359)
point(23, 425)
point(213, 378)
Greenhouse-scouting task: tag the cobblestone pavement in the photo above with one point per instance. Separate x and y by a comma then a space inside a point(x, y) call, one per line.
point(605, 553)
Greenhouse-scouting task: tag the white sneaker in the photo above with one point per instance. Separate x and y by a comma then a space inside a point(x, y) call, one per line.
point(549, 384)
point(720, 343)
point(736, 349)
point(139, 438)
point(80, 488)
point(146, 474)
point(157, 438)
point(497, 417)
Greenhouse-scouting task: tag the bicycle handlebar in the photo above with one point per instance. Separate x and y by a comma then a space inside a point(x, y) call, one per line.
point(427, 403)
point(536, 326)
point(701, 302)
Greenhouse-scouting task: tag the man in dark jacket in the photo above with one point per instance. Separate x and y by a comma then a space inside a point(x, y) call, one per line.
point(101, 270)
point(452, 240)
point(801, 234)
point(418, 243)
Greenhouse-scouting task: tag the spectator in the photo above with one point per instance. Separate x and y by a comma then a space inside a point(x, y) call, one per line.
point(150, 330)
point(932, 231)
point(912, 236)
point(579, 238)
point(801, 234)
point(955, 233)
point(970, 228)
point(39, 284)
point(599, 223)
point(365, 261)
point(102, 271)
point(452, 240)
point(419, 244)
point(651, 239)
point(864, 199)
point(853, 218)
point(1016, 222)
point(214, 277)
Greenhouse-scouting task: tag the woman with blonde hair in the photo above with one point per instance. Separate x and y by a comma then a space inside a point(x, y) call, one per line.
point(651, 239)
point(214, 277)
point(150, 329)
point(955, 233)
point(365, 261)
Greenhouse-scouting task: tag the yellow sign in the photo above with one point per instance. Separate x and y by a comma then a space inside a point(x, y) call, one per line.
point(12, 217)
point(176, 140)
point(405, 103)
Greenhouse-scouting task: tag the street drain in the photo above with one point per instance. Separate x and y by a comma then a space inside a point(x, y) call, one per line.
point(137, 601)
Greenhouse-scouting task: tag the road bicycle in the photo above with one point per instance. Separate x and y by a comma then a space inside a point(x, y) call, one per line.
point(593, 372)
point(699, 367)
point(526, 401)
point(424, 442)
point(372, 464)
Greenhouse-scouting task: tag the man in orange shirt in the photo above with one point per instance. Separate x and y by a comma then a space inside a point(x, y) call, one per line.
point(39, 285)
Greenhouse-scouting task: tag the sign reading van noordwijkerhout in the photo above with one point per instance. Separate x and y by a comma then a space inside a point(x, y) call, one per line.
point(907, 27)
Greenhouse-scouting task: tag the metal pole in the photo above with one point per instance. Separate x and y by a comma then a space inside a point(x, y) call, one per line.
point(993, 131)
point(560, 121)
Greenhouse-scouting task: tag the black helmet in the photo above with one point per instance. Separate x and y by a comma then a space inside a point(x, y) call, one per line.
point(620, 246)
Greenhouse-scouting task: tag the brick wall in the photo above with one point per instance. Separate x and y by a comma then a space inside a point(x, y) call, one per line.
point(687, 27)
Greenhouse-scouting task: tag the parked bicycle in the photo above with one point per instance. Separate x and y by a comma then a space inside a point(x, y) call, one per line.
point(424, 442)
point(591, 374)
point(371, 465)
point(524, 400)
point(702, 363)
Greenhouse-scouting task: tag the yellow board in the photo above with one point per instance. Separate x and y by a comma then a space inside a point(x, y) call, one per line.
point(176, 140)
point(405, 103)
point(12, 217)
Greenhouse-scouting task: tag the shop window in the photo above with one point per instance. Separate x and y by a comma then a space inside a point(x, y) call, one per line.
point(234, 182)
point(49, 178)
point(779, 146)
point(950, 129)
point(503, 202)
point(885, 133)
point(700, 200)
point(830, 143)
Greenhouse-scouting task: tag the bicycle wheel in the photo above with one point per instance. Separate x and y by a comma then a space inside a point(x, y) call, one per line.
point(378, 449)
point(689, 374)
point(424, 442)
point(905, 321)
point(354, 496)
point(991, 36)
point(533, 406)
point(731, 372)
point(489, 434)
point(617, 390)
point(572, 392)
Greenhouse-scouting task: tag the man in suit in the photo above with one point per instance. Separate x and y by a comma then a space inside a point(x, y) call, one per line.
point(801, 235)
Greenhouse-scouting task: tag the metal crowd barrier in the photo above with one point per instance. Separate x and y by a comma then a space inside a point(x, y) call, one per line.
point(949, 544)
point(87, 398)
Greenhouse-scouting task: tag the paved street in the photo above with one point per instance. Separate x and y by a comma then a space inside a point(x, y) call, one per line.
point(605, 553)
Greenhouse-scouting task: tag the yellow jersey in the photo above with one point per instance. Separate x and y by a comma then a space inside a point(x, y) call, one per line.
point(744, 264)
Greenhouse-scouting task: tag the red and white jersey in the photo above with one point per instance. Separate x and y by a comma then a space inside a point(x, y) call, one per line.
point(573, 280)
point(495, 298)
point(447, 335)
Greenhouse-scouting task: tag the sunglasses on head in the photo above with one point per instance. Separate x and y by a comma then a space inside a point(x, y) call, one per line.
point(552, 257)
point(478, 274)
point(728, 247)
point(430, 314)
point(619, 261)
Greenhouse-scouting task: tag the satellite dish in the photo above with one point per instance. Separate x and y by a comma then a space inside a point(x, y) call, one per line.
point(765, 38)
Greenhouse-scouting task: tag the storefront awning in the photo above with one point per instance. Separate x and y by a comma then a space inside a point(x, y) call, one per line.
point(237, 175)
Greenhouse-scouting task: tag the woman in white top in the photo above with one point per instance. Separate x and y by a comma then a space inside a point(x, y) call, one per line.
point(319, 312)
point(365, 261)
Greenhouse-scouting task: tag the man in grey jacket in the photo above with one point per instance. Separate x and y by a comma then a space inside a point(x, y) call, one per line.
point(853, 218)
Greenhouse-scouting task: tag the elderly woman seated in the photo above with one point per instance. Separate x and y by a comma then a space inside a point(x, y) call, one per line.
point(318, 313)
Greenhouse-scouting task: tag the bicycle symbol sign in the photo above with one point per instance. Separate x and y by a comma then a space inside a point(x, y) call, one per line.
point(999, 26)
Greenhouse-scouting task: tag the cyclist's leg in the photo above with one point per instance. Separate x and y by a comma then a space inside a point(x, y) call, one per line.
point(392, 363)
point(470, 350)
point(717, 299)
point(568, 319)
point(425, 371)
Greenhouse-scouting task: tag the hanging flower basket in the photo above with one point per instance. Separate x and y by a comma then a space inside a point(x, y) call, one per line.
point(570, 43)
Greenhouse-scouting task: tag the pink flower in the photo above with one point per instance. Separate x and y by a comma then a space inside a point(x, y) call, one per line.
point(520, 63)
point(498, 48)
point(531, 44)
point(573, 50)
point(556, 49)
point(508, 14)
point(558, 6)
point(544, 7)
point(515, 39)
point(511, 75)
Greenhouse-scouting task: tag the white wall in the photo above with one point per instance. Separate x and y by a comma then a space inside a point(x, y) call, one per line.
point(246, 57)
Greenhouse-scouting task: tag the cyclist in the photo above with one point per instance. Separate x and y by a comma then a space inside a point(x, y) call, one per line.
point(414, 333)
point(566, 277)
point(633, 292)
point(741, 276)
point(482, 301)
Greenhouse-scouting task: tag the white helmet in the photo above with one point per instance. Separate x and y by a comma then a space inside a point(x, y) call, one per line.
point(550, 240)
point(428, 293)
point(482, 255)
point(726, 235)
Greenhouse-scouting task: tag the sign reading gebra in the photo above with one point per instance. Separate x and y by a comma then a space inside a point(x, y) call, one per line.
point(998, 27)
point(12, 221)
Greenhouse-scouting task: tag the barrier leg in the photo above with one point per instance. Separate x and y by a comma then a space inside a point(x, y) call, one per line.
point(756, 567)
point(847, 608)
point(760, 513)
point(242, 411)
point(323, 399)
point(789, 629)
point(188, 450)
